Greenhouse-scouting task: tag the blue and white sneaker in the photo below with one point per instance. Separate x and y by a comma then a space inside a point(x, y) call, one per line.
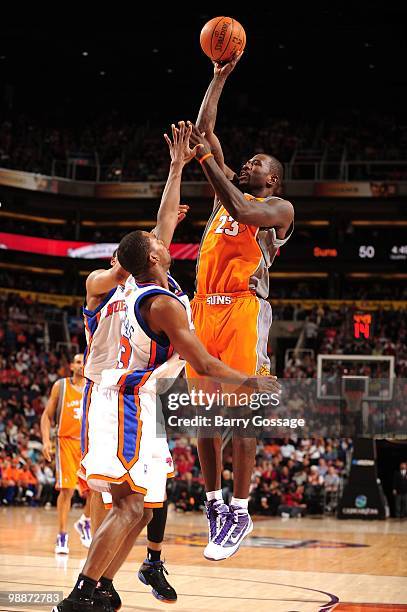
point(61, 546)
point(216, 513)
point(82, 526)
point(236, 526)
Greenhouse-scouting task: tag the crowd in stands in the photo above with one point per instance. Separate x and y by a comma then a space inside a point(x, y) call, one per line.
point(27, 372)
point(44, 283)
point(138, 152)
point(293, 476)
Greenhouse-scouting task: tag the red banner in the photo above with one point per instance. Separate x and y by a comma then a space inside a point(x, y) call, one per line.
point(83, 250)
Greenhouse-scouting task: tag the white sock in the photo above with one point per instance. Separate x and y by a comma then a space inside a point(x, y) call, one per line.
point(242, 503)
point(211, 495)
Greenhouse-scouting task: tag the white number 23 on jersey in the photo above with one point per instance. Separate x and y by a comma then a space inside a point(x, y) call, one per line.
point(231, 229)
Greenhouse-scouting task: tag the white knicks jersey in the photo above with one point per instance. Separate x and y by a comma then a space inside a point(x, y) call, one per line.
point(103, 332)
point(145, 356)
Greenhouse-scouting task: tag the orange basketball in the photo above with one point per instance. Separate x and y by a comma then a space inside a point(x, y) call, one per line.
point(221, 37)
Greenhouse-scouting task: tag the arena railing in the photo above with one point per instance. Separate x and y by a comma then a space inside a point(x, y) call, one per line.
point(315, 170)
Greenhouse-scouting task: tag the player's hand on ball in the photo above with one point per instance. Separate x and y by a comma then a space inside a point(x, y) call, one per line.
point(197, 138)
point(224, 70)
point(182, 212)
point(180, 151)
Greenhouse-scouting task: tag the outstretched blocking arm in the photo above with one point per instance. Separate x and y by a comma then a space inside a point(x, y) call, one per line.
point(169, 212)
point(209, 108)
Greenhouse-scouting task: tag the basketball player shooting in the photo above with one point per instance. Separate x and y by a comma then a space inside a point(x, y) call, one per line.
point(248, 225)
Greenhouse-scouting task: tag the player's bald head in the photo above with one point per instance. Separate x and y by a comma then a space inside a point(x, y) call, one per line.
point(261, 172)
point(274, 166)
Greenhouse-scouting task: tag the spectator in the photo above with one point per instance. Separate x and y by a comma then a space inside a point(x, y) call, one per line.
point(292, 502)
point(287, 449)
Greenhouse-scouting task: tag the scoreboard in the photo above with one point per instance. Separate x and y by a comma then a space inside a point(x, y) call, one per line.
point(348, 252)
point(362, 325)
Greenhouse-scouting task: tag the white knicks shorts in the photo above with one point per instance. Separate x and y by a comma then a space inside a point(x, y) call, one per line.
point(117, 433)
point(161, 468)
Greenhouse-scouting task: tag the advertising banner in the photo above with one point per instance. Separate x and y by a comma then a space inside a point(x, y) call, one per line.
point(82, 250)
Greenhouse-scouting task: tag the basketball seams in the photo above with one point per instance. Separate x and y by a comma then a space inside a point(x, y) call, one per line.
point(239, 36)
point(230, 37)
point(213, 34)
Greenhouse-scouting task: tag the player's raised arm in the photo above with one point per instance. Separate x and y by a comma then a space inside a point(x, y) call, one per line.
point(273, 212)
point(207, 113)
point(100, 282)
point(47, 418)
point(170, 212)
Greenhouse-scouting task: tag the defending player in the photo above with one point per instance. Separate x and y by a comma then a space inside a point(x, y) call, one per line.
point(232, 316)
point(64, 407)
point(103, 315)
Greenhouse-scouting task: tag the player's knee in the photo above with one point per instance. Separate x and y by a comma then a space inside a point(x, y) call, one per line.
point(129, 511)
point(66, 493)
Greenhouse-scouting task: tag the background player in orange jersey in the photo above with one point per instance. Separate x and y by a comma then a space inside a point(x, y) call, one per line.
point(64, 407)
point(232, 316)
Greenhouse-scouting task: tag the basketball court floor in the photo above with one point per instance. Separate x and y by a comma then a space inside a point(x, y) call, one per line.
point(288, 565)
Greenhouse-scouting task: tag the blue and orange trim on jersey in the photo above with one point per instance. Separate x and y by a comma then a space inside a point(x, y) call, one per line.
point(130, 424)
point(125, 478)
point(86, 398)
point(175, 286)
point(91, 319)
point(171, 282)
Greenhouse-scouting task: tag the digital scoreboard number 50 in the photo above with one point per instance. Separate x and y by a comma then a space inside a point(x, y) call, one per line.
point(366, 251)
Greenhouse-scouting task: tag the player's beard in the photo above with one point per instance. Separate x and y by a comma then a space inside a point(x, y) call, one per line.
point(245, 185)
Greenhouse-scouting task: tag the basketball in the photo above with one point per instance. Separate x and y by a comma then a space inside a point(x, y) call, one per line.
point(221, 38)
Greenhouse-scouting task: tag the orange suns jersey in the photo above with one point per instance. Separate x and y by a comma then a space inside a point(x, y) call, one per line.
point(234, 257)
point(68, 415)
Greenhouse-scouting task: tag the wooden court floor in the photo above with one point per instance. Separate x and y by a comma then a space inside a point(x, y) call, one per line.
point(288, 565)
